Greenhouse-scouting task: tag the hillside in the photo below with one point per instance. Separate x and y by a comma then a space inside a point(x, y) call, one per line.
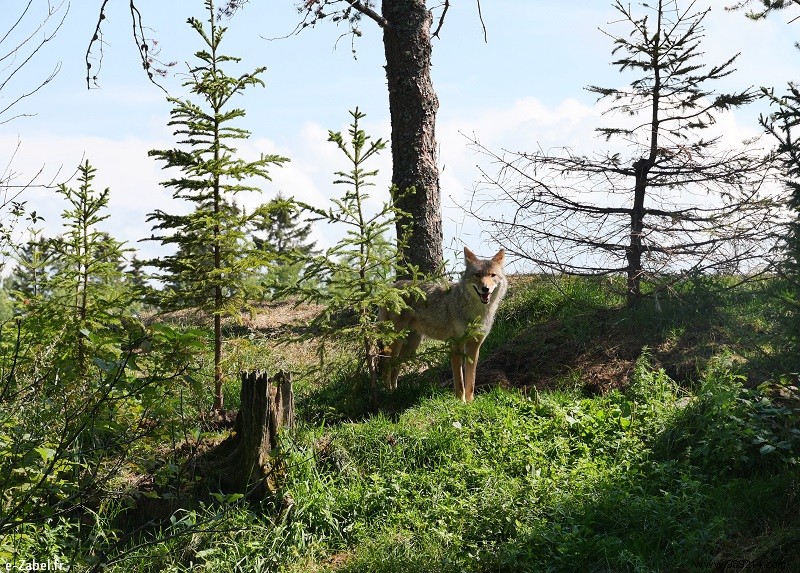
point(602, 439)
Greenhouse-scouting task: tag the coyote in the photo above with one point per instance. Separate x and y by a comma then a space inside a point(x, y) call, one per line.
point(461, 313)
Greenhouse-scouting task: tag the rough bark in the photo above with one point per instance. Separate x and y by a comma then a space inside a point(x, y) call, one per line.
point(412, 106)
point(243, 462)
point(635, 247)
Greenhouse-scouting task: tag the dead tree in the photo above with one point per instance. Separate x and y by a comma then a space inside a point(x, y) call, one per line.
point(244, 462)
point(668, 200)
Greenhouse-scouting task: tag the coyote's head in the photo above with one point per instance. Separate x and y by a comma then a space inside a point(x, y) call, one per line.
point(484, 276)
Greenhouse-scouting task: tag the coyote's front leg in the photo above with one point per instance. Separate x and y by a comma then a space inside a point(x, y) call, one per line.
point(471, 351)
point(457, 362)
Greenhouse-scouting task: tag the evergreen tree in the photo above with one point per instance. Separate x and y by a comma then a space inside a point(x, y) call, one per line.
point(81, 294)
point(280, 219)
point(781, 125)
point(211, 258)
point(33, 260)
point(283, 241)
point(90, 274)
point(135, 275)
point(354, 276)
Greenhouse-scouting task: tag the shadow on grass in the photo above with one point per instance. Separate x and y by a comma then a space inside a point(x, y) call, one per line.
point(667, 520)
point(594, 349)
point(348, 399)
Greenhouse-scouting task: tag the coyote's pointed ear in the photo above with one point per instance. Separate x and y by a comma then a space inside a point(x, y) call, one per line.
point(499, 257)
point(469, 255)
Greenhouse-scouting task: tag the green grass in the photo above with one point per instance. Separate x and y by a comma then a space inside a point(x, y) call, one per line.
point(509, 483)
point(675, 468)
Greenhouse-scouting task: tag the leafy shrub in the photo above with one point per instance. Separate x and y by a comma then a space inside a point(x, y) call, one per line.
point(728, 429)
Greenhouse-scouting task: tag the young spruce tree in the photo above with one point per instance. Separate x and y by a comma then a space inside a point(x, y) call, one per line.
point(75, 298)
point(32, 270)
point(212, 258)
point(92, 275)
point(354, 276)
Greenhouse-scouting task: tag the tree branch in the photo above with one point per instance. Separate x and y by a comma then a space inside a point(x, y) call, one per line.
point(444, 13)
point(369, 13)
point(441, 19)
point(144, 45)
point(483, 24)
point(16, 58)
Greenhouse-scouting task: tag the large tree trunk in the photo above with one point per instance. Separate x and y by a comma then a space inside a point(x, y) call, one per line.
point(412, 108)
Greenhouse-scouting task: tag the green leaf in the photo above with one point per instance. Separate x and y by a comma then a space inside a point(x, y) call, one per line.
point(46, 453)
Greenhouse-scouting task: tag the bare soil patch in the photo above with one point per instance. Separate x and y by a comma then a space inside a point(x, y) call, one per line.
point(267, 318)
point(276, 317)
point(553, 355)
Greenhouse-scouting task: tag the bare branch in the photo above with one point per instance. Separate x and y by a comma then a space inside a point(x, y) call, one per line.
point(483, 24)
point(359, 5)
point(146, 46)
point(96, 38)
point(441, 19)
point(446, 7)
point(24, 50)
point(369, 12)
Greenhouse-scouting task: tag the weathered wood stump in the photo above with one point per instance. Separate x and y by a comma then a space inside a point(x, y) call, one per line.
point(244, 461)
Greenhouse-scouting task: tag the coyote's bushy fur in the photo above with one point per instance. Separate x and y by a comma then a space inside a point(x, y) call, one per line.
point(461, 313)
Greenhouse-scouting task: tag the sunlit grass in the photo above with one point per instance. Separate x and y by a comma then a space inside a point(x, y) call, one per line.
point(658, 474)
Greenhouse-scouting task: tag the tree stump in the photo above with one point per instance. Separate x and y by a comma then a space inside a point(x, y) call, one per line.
point(243, 462)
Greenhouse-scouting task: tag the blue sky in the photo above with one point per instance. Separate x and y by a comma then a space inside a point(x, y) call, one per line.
point(522, 89)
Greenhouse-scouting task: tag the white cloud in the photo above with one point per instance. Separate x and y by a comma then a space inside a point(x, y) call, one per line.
point(134, 178)
point(122, 165)
point(528, 125)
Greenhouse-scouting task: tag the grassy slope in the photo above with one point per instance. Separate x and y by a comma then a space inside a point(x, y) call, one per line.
point(646, 448)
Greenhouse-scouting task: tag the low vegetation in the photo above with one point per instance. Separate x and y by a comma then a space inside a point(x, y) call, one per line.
point(661, 467)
